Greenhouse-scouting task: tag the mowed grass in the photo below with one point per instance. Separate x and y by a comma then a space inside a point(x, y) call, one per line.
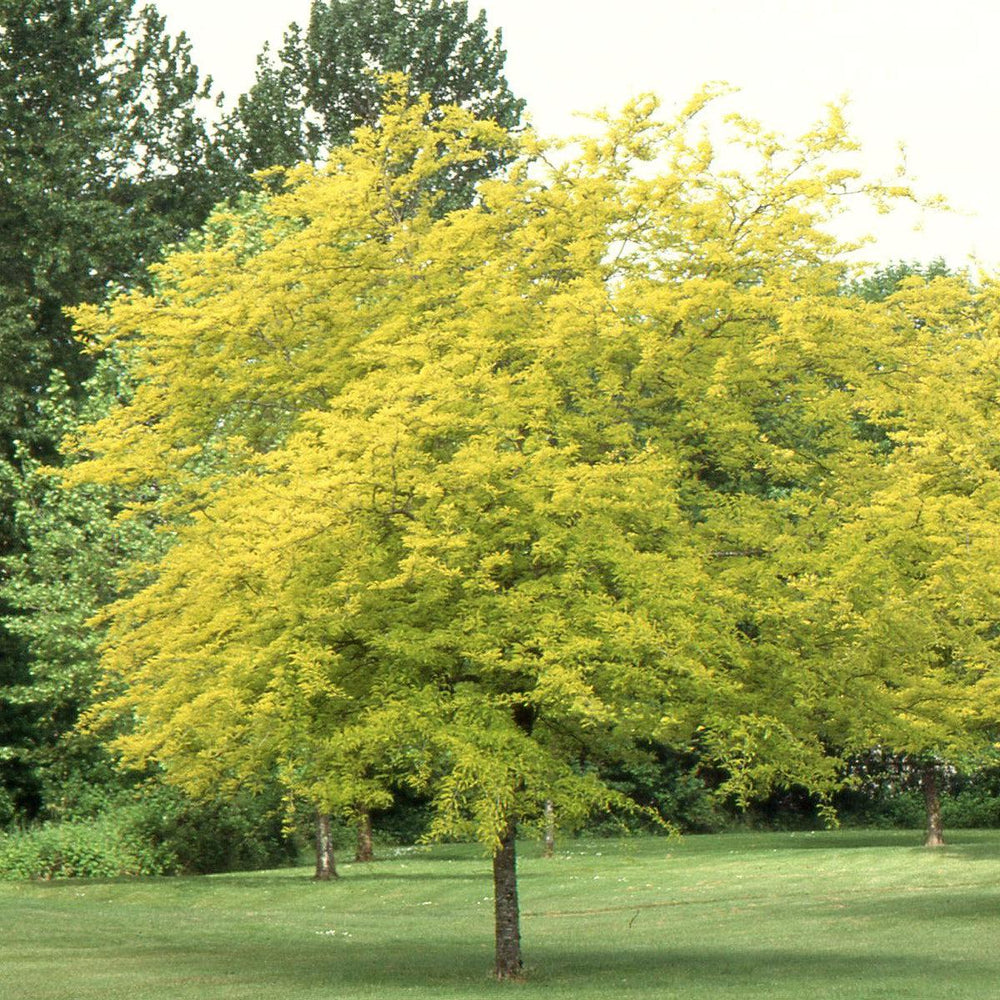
point(827, 915)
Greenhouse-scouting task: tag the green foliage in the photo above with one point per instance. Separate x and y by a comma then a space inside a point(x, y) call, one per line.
point(108, 847)
point(406, 821)
point(971, 809)
point(668, 785)
point(158, 832)
point(104, 158)
point(71, 551)
point(238, 833)
point(884, 792)
point(882, 282)
point(326, 82)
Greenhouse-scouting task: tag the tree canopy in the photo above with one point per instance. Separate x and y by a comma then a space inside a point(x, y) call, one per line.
point(504, 491)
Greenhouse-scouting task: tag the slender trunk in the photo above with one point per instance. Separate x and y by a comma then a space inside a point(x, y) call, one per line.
point(326, 868)
point(508, 932)
point(932, 802)
point(550, 828)
point(364, 850)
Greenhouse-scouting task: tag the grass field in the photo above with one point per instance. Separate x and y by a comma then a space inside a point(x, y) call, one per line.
point(824, 915)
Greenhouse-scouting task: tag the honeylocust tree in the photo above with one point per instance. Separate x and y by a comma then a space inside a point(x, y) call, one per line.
point(914, 562)
point(469, 500)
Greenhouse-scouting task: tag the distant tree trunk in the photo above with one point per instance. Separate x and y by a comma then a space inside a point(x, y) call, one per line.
point(508, 931)
point(550, 828)
point(932, 802)
point(364, 850)
point(326, 867)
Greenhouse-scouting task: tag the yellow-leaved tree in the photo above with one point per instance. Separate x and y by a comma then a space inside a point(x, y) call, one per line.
point(457, 501)
point(910, 573)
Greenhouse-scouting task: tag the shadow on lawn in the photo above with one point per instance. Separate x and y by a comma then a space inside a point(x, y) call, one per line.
point(752, 972)
point(423, 964)
point(927, 904)
point(975, 850)
point(349, 875)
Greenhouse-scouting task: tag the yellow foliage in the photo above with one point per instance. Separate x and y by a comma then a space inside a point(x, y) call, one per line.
point(574, 467)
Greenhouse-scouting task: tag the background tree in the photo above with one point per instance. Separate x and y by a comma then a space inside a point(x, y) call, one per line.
point(325, 82)
point(914, 561)
point(104, 158)
point(73, 550)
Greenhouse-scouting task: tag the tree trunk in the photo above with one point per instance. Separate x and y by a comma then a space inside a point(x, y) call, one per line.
point(364, 850)
point(550, 828)
point(932, 802)
point(508, 932)
point(326, 868)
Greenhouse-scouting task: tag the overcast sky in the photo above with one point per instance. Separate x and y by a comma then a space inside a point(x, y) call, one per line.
point(919, 72)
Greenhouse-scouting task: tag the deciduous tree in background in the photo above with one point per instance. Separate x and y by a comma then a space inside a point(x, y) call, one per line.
point(326, 82)
point(73, 550)
point(104, 159)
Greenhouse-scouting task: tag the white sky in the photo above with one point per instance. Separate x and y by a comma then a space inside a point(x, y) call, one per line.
point(924, 72)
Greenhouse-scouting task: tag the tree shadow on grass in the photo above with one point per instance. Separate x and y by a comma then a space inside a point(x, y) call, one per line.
point(713, 970)
point(932, 904)
point(972, 850)
point(760, 972)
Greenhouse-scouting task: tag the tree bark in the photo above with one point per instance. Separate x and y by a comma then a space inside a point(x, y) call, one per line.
point(326, 867)
point(932, 803)
point(550, 829)
point(508, 930)
point(364, 851)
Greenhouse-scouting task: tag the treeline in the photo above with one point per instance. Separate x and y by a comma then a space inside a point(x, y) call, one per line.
point(519, 486)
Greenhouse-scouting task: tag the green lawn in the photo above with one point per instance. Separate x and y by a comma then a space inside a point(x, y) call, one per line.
point(824, 915)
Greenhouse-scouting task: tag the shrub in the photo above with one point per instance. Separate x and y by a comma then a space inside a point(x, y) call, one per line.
point(162, 833)
point(240, 835)
point(972, 808)
point(103, 848)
